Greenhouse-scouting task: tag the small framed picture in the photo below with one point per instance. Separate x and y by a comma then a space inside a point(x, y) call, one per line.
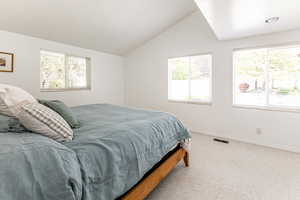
point(6, 62)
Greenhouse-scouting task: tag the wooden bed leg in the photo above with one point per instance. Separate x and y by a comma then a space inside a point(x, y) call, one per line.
point(186, 159)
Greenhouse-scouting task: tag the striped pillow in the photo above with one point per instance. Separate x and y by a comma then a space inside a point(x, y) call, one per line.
point(41, 119)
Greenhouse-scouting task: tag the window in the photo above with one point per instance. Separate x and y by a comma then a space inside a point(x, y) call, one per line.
point(190, 78)
point(60, 71)
point(267, 77)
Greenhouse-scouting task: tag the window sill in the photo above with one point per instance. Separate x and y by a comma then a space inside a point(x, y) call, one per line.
point(65, 90)
point(268, 108)
point(190, 102)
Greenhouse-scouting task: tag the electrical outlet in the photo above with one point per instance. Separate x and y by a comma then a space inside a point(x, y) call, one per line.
point(258, 131)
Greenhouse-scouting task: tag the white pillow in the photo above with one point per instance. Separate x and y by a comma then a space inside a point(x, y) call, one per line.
point(11, 96)
point(41, 119)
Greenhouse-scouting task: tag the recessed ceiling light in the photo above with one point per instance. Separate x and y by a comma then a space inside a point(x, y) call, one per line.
point(272, 20)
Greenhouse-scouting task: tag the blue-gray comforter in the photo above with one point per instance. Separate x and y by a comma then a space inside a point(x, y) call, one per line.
point(34, 167)
point(110, 153)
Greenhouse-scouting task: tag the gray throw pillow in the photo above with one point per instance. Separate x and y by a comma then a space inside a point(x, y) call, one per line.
point(15, 126)
point(63, 110)
point(4, 121)
point(11, 124)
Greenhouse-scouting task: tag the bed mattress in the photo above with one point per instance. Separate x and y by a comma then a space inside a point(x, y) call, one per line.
point(110, 153)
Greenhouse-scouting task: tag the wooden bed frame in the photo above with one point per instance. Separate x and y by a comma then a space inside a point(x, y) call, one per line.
point(149, 182)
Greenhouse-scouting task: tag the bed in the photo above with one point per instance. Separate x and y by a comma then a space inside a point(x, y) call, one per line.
point(118, 153)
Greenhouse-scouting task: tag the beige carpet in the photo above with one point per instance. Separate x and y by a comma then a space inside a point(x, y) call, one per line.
point(235, 171)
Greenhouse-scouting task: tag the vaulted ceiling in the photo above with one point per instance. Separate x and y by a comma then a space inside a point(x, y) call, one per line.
point(113, 26)
point(119, 26)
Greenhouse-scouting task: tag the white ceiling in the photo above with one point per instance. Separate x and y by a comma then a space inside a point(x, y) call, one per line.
point(114, 26)
point(231, 19)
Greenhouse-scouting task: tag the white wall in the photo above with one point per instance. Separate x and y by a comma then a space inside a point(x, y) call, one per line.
point(107, 70)
point(147, 85)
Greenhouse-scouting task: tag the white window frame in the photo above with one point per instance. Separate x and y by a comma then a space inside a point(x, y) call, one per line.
point(67, 88)
point(267, 107)
point(192, 101)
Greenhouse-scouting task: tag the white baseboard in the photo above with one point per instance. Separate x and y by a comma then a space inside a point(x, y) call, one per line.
point(289, 148)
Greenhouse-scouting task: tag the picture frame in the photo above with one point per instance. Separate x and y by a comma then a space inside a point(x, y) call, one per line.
point(6, 62)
